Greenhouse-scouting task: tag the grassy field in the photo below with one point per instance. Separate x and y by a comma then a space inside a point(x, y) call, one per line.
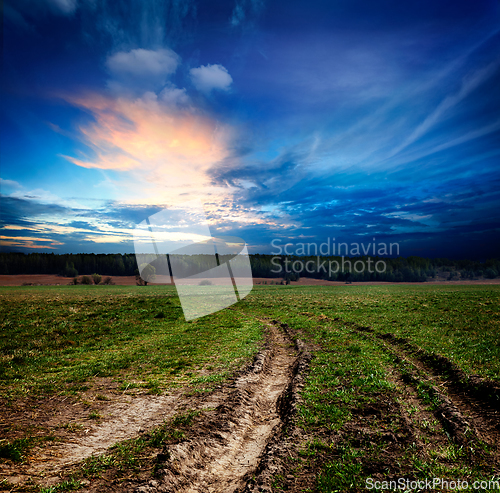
point(354, 401)
point(370, 400)
point(57, 339)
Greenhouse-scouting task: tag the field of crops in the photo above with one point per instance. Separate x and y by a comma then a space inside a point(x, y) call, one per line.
point(101, 387)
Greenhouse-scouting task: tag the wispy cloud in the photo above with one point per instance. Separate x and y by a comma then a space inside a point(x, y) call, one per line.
point(245, 12)
point(469, 84)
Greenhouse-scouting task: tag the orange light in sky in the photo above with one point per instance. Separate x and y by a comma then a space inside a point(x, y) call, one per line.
point(160, 142)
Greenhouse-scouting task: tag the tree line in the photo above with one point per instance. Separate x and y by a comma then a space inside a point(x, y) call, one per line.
point(359, 269)
point(410, 269)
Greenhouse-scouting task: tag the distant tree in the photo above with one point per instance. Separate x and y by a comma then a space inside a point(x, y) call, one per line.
point(96, 278)
point(148, 273)
point(69, 270)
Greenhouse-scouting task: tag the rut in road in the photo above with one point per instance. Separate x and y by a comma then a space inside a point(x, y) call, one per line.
point(225, 448)
point(463, 415)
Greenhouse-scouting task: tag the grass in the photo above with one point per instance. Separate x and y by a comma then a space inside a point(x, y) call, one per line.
point(64, 337)
point(16, 450)
point(461, 323)
point(69, 485)
point(350, 373)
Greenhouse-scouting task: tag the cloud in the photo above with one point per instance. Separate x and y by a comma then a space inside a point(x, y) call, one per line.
point(245, 11)
point(238, 15)
point(469, 84)
point(160, 146)
point(209, 77)
point(142, 68)
point(137, 23)
point(65, 7)
point(20, 10)
point(173, 96)
point(9, 184)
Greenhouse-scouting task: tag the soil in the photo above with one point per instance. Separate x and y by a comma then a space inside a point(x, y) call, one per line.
point(53, 280)
point(227, 444)
point(225, 448)
point(247, 434)
point(75, 435)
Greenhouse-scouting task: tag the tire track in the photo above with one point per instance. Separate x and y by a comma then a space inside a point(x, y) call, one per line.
point(227, 446)
point(465, 417)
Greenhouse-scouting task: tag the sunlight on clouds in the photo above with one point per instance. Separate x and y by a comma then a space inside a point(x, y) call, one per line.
point(160, 144)
point(163, 152)
point(28, 242)
point(144, 236)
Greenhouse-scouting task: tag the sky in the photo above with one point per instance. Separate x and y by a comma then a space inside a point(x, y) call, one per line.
point(295, 122)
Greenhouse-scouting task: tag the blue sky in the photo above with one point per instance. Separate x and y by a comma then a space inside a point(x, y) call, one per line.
point(298, 121)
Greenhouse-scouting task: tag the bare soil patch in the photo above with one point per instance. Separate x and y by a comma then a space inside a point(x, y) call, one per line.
point(225, 447)
point(78, 428)
point(54, 280)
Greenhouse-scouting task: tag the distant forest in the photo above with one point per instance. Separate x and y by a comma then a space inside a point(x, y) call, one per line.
point(411, 269)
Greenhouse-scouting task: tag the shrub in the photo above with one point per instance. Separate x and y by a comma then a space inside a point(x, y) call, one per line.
point(86, 280)
point(205, 282)
point(96, 278)
point(74, 281)
point(108, 281)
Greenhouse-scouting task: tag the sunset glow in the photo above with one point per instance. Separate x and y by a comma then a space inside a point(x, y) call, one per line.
point(287, 121)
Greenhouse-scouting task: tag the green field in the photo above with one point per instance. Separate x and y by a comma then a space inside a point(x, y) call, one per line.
point(61, 340)
point(57, 339)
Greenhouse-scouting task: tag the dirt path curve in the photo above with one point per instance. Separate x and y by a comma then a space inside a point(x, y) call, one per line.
point(226, 448)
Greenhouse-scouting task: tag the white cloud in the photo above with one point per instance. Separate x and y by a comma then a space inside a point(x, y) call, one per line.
point(144, 68)
point(173, 96)
point(8, 183)
point(209, 77)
